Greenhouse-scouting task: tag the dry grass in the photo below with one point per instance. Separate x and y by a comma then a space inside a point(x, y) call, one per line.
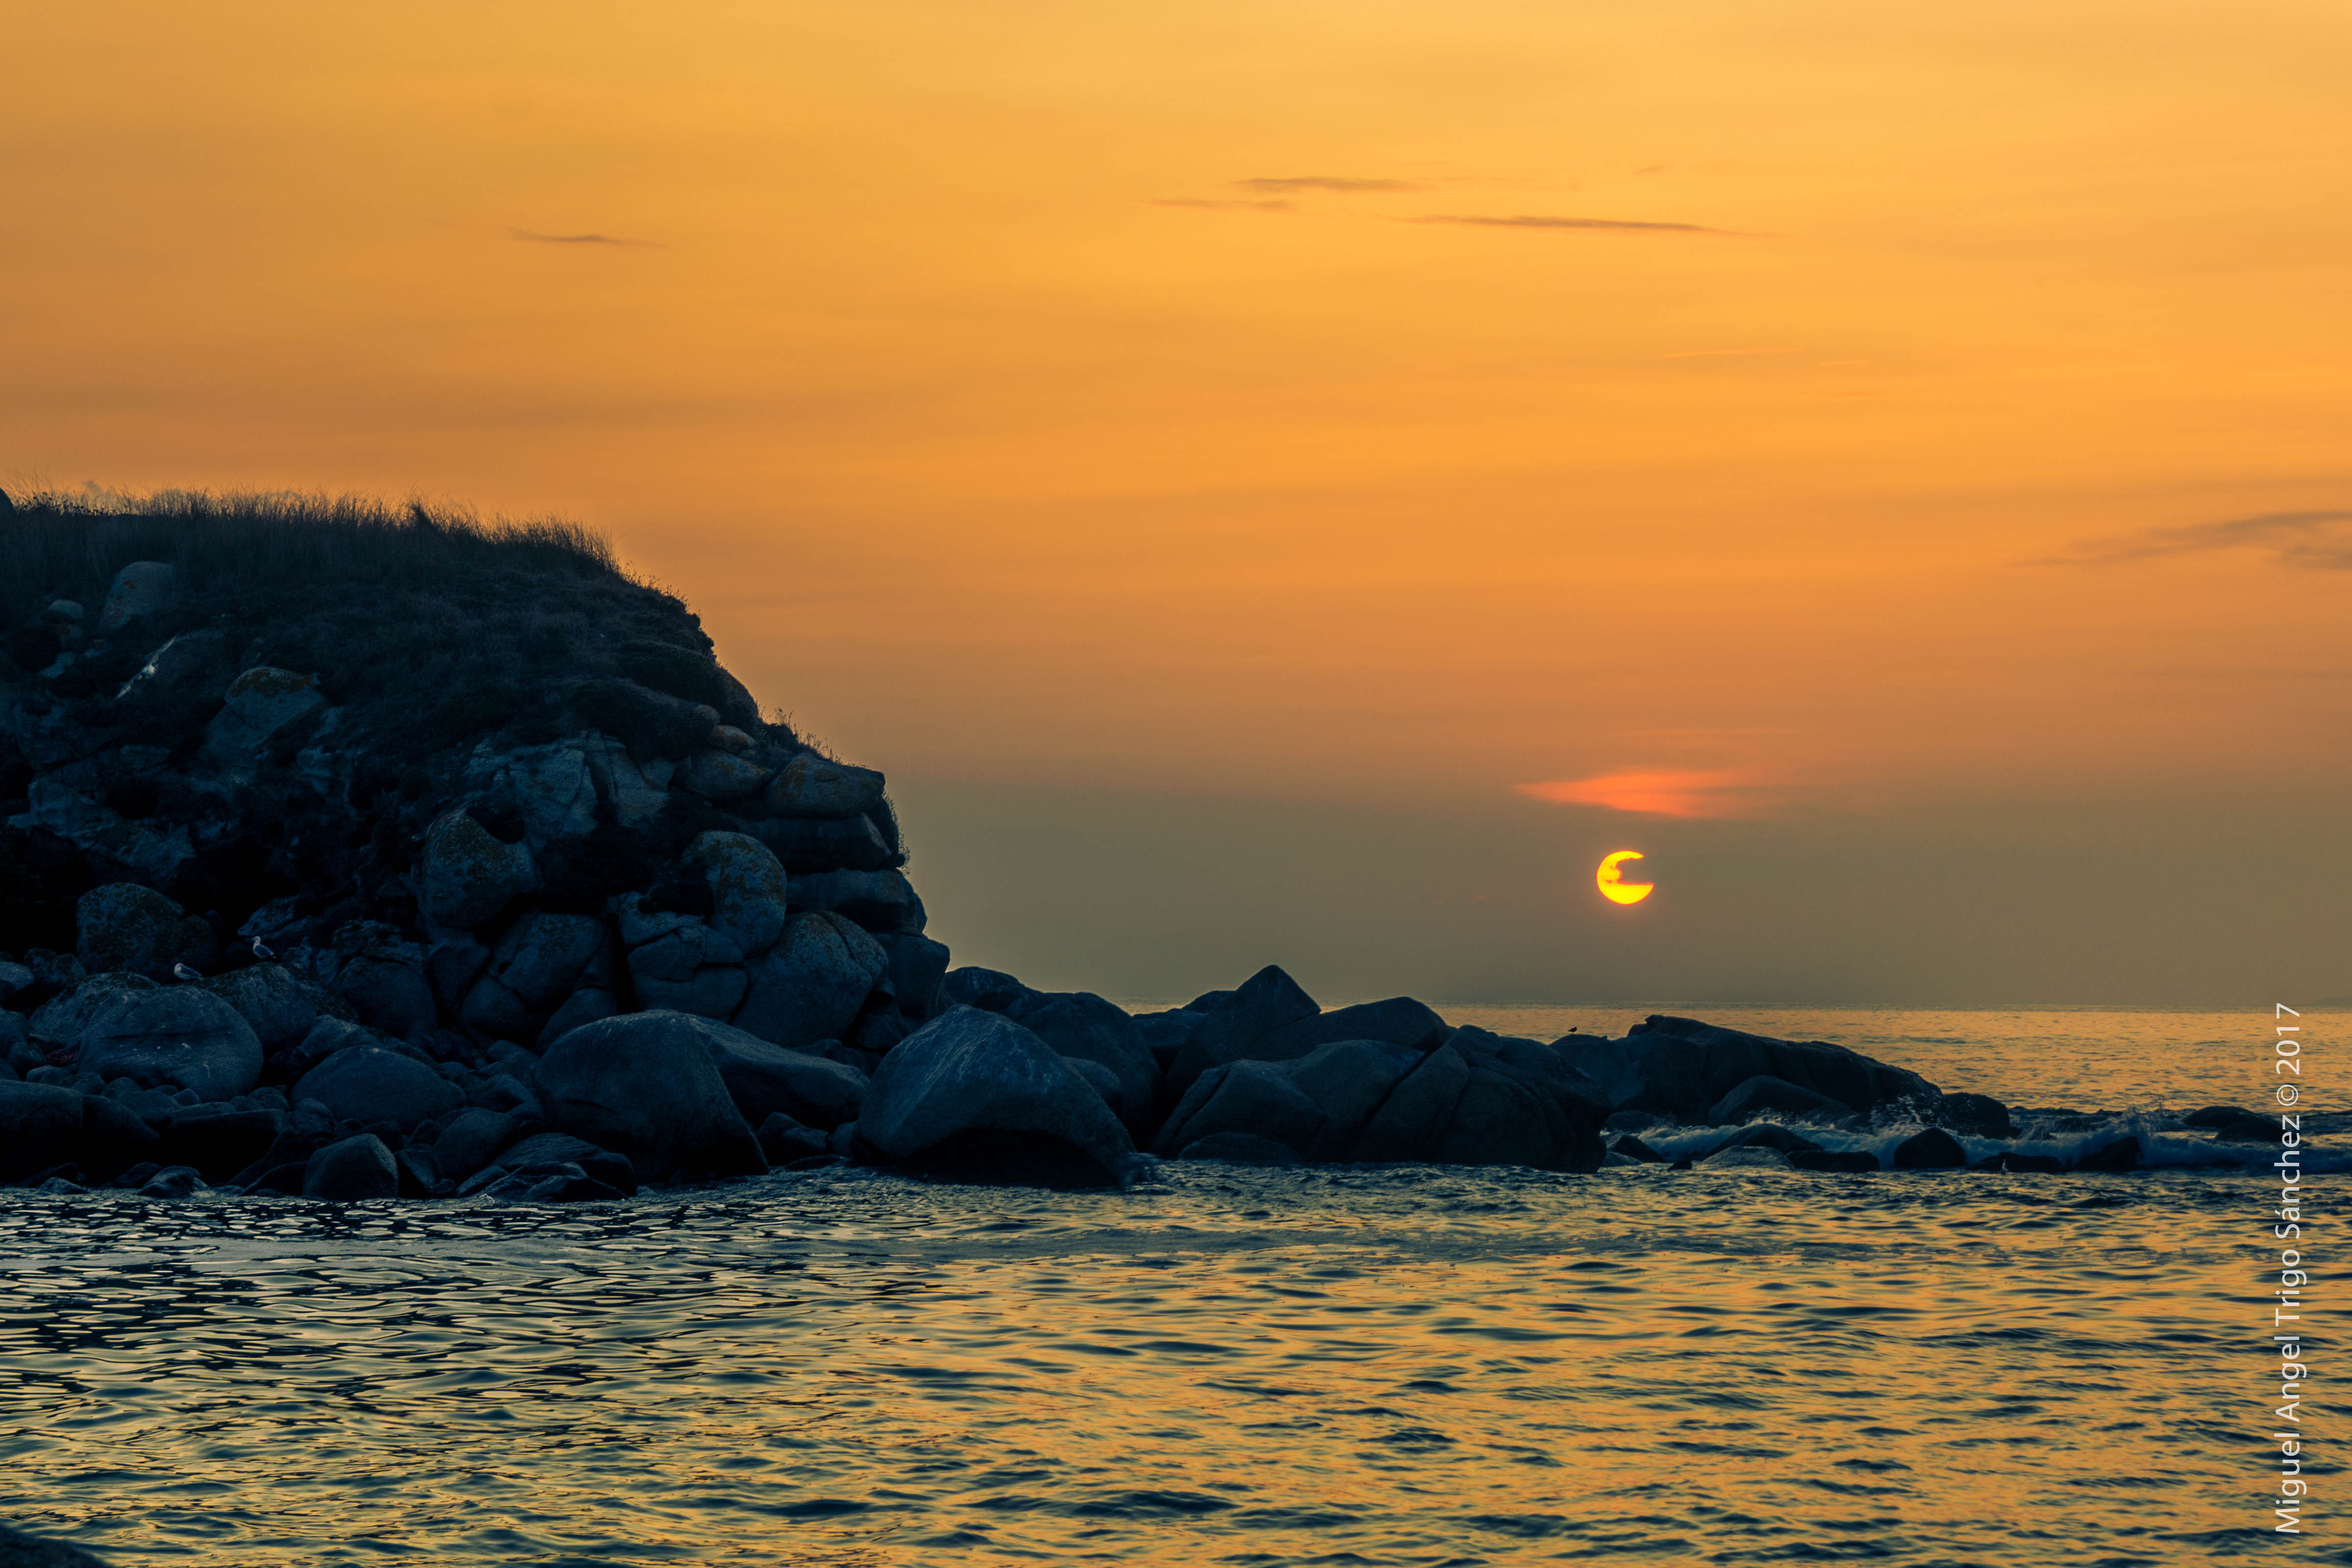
point(57, 545)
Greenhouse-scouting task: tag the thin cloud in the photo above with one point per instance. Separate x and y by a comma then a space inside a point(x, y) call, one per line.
point(1681, 793)
point(612, 239)
point(1325, 182)
point(2310, 541)
point(1226, 207)
point(1589, 225)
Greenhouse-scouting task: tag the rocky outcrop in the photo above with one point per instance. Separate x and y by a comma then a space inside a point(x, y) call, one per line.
point(443, 863)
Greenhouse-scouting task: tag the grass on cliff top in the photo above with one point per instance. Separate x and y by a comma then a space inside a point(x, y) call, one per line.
point(62, 546)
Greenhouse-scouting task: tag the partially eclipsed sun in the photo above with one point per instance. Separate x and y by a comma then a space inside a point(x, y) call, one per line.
point(1618, 893)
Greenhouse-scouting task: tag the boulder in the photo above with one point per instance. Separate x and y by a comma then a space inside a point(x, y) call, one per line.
point(644, 1084)
point(990, 990)
point(177, 1035)
point(1974, 1115)
point(279, 1006)
point(367, 1084)
point(1243, 1097)
point(1765, 1135)
point(2247, 1129)
point(715, 775)
point(123, 926)
point(823, 844)
point(381, 974)
point(64, 1016)
point(689, 969)
point(1399, 1021)
point(551, 788)
point(811, 785)
point(974, 1094)
point(139, 590)
point(353, 1171)
point(326, 1036)
point(1266, 1001)
point(1240, 1149)
point(1409, 1122)
point(813, 983)
point(1348, 1080)
point(748, 888)
point(2032, 1164)
point(467, 875)
point(1083, 1026)
point(2215, 1116)
point(259, 703)
point(585, 1005)
point(784, 1140)
point(1641, 1154)
point(173, 1184)
point(471, 1139)
point(918, 965)
point(1685, 1068)
point(2112, 1159)
point(764, 1078)
point(1933, 1150)
point(1106, 1083)
point(1755, 1096)
point(878, 900)
point(536, 965)
point(544, 1149)
point(40, 1123)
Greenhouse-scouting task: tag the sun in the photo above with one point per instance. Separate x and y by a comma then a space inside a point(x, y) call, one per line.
point(1615, 891)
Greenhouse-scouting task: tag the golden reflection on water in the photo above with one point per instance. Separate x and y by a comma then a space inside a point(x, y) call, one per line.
point(1386, 1366)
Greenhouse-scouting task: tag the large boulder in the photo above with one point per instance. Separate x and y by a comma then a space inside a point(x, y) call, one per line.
point(383, 975)
point(643, 1084)
point(748, 888)
point(467, 875)
point(368, 1084)
point(139, 590)
point(990, 990)
point(536, 966)
point(810, 986)
point(40, 1124)
point(353, 1171)
point(123, 926)
point(1348, 1080)
point(1235, 1022)
point(471, 1139)
point(1243, 1097)
point(719, 775)
point(1399, 1021)
point(178, 1036)
point(824, 844)
point(878, 900)
point(1085, 1027)
point(64, 1017)
point(1932, 1150)
point(1683, 1068)
point(918, 965)
point(975, 1095)
point(764, 1078)
point(280, 1006)
point(811, 785)
point(690, 968)
point(259, 703)
point(1410, 1120)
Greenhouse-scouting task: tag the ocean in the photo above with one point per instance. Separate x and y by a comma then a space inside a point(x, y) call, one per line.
point(1344, 1365)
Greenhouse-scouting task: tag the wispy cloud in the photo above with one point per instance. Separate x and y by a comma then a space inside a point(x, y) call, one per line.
point(584, 239)
point(1663, 793)
point(1226, 207)
point(2312, 540)
point(1325, 182)
point(1589, 224)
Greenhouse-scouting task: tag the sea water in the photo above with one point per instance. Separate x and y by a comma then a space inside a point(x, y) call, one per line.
point(1347, 1365)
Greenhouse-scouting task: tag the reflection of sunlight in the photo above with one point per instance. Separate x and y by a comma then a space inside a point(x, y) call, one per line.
point(1680, 794)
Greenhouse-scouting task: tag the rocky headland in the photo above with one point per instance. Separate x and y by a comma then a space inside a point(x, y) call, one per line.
point(353, 852)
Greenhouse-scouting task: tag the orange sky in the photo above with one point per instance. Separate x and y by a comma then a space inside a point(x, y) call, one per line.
point(1284, 401)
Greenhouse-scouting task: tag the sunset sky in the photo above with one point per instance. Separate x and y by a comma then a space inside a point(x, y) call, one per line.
point(1301, 482)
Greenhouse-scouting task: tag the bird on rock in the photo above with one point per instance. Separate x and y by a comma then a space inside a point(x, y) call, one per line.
point(181, 971)
point(263, 951)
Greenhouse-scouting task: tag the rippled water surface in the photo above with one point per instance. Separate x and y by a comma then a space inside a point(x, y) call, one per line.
point(1360, 1365)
